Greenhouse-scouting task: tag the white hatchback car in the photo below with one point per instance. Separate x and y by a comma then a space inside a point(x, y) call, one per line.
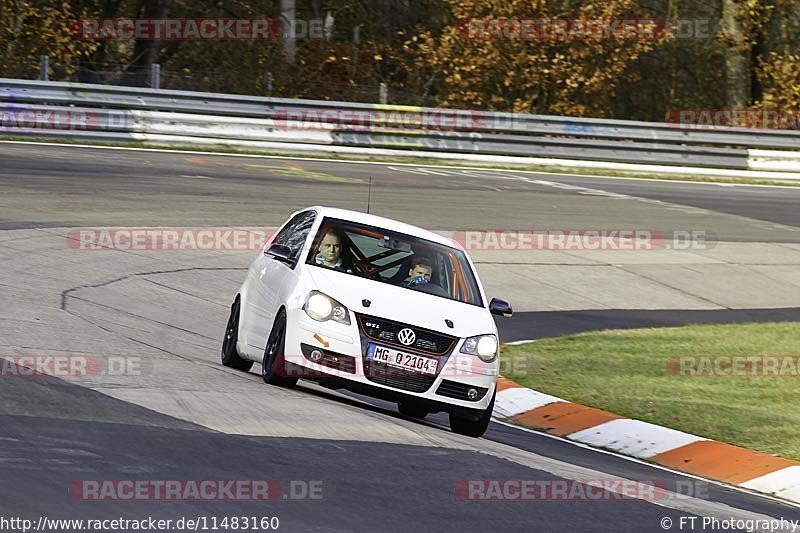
point(373, 305)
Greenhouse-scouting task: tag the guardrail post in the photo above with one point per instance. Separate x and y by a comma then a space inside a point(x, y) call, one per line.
point(44, 68)
point(383, 93)
point(155, 76)
point(268, 83)
point(289, 27)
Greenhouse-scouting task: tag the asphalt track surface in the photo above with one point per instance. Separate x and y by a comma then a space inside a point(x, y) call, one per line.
point(81, 186)
point(186, 417)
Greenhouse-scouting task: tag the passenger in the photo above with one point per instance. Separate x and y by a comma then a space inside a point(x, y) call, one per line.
point(420, 272)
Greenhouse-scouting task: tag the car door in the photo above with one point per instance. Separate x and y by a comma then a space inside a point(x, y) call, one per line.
point(274, 279)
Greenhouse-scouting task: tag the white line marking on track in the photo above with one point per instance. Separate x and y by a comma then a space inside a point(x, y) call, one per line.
point(423, 171)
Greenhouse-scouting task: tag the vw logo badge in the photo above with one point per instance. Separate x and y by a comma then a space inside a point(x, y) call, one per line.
point(406, 336)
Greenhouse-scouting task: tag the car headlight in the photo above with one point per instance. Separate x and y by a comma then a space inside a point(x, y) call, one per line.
point(322, 308)
point(484, 346)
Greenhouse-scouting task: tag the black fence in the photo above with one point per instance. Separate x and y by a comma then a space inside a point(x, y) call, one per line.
point(185, 79)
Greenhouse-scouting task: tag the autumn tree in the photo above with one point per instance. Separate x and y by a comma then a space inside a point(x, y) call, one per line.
point(30, 29)
point(540, 74)
point(429, 53)
point(776, 69)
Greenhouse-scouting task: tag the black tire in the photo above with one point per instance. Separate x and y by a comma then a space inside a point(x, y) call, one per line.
point(412, 410)
point(229, 355)
point(273, 367)
point(472, 428)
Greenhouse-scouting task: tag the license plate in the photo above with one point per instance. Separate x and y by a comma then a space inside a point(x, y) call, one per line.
point(406, 361)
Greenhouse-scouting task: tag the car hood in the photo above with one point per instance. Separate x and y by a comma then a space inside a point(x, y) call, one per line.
point(403, 305)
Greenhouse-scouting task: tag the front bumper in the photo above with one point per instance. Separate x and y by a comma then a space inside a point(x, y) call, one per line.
point(344, 365)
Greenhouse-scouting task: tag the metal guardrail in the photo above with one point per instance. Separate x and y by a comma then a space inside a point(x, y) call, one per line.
point(41, 108)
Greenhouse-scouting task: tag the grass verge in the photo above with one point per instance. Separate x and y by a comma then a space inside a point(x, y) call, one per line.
point(629, 372)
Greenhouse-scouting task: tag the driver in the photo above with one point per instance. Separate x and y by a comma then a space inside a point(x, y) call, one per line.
point(420, 272)
point(330, 251)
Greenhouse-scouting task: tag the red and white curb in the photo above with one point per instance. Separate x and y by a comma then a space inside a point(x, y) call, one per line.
point(681, 451)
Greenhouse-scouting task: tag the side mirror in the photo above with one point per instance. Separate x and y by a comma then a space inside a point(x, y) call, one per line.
point(280, 252)
point(500, 307)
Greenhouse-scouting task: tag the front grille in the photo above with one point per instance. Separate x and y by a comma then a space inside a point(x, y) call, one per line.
point(385, 331)
point(453, 389)
point(426, 345)
point(397, 377)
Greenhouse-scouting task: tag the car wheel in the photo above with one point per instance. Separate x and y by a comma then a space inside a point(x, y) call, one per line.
point(230, 357)
point(412, 410)
point(273, 367)
point(472, 428)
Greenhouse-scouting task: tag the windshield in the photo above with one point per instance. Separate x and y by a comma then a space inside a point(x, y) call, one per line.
point(394, 258)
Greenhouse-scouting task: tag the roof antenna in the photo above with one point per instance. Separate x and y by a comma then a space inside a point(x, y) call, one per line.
point(369, 194)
